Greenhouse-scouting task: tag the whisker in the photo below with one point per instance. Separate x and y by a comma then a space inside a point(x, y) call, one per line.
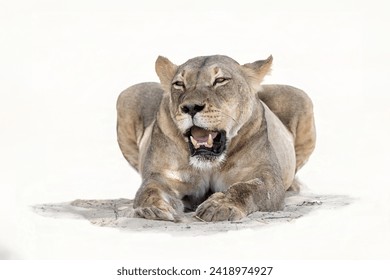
point(229, 116)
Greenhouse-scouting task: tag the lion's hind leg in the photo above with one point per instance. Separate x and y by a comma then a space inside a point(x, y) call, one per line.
point(295, 186)
point(136, 110)
point(295, 109)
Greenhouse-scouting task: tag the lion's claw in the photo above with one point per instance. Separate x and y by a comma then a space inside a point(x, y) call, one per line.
point(163, 211)
point(219, 208)
point(153, 213)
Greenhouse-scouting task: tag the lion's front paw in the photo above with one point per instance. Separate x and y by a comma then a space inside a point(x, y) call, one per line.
point(160, 211)
point(218, 207)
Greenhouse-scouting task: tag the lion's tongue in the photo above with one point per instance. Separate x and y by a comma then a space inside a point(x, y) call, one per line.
point(200, 136)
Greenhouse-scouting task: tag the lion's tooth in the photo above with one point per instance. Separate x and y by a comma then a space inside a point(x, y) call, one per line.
point(194, 142)
point(210, 142)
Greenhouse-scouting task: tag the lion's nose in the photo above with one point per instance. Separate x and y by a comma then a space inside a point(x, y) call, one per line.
point(192, 109)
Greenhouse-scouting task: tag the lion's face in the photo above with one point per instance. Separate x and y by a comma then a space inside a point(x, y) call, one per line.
point(211, 98)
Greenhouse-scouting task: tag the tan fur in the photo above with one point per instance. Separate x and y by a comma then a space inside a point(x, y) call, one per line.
point(269, 130)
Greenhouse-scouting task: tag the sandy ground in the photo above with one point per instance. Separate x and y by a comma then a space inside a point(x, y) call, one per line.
point(64, 63)
point(118, 213)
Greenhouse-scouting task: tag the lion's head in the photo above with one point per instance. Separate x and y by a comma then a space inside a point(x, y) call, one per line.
point(211, 98)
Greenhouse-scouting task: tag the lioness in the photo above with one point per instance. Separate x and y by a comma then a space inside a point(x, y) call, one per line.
point(211, 139)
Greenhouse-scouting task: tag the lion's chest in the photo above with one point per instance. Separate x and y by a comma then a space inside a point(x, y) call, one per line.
point(198, 184)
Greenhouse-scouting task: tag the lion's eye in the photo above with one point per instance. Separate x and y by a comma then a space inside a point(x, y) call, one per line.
point(220, 81)
point(178, 85)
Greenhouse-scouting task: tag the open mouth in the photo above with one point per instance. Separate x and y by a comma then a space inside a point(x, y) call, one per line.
point(206, 143)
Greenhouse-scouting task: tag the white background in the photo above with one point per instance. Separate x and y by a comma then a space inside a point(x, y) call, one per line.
point(63, 64)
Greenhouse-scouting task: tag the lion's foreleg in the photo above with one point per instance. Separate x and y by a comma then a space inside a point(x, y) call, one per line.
point(243, 198)
point(156, 201)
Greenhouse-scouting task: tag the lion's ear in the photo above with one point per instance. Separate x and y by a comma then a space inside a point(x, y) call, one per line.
point(165, 70)
point(257, 70)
